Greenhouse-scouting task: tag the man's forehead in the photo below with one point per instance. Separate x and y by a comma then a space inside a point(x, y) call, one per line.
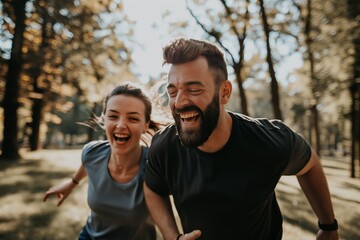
point(191, 73)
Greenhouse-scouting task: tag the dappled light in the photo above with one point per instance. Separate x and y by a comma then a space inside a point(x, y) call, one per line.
point(22, 189)
point(23, 185)
point(296, 61)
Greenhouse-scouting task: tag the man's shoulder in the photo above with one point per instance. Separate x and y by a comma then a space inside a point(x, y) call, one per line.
point(164, 141)
point(165, 136)
point(252, 122)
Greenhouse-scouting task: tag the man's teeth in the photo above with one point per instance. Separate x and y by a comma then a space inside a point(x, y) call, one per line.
point(188, 115)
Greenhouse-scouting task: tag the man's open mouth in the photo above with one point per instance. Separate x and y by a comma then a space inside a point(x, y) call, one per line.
point(189, 117)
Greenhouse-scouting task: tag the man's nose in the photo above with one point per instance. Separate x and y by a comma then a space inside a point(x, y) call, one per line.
point(181, 100)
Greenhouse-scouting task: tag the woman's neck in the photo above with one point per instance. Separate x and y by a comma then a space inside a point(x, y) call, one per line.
point(124, 167)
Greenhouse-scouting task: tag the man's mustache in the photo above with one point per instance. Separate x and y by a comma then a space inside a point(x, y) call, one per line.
point(187, 109)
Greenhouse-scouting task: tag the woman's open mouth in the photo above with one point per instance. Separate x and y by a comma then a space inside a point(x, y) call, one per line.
point(121, 137)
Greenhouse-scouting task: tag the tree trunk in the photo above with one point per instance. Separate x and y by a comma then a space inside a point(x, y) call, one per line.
point(314, 82)
point(37, 108)
point(316, 128)
point(354, 13)
point(275, 97)
point(242, 94)
point(355, 119)
point(10, 146)
point(38, 99)
point(358, 126)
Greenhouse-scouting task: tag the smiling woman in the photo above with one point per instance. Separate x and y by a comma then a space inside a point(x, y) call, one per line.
point(115, 169)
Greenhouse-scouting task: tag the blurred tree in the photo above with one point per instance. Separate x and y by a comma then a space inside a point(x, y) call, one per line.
point(318, 32)
point(38, 88)
point(306, 17)
point(98, 56)
point(314, 80)
point(70, 48)
point(240, 23)
point(325, 45)
point(10, 147)
point(354, 15)
point(275, 98)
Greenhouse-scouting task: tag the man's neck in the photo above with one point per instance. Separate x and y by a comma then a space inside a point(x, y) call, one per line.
point(220, 136)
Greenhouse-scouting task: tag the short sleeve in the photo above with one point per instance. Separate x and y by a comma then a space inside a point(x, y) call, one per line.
point(300, 153)
point(155, 177)
point(90, 147)
point(85, 150)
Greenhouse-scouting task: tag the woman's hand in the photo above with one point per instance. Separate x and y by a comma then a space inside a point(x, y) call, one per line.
point(62, 191)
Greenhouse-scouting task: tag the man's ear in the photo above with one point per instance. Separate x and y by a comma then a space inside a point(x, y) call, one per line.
point(225, 92)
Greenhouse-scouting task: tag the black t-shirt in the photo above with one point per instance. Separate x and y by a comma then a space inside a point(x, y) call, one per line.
point(228, 194)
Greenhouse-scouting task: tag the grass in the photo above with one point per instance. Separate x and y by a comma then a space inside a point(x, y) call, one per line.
point(23, 214)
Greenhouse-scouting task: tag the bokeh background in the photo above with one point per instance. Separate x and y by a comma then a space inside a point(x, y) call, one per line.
point(294, 60)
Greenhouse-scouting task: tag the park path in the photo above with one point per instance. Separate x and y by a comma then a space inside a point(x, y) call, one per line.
point(23, 214)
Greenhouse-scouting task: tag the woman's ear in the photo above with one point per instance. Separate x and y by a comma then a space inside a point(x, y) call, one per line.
point(225, 92)
point(146, 127)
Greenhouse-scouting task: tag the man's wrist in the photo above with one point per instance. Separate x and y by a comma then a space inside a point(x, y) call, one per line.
point(329, 226)
point(178, 237)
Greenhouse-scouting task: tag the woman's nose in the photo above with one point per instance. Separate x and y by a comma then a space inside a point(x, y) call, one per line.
point(121, 123)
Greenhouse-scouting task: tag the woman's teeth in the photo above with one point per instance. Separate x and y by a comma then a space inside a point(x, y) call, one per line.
point(121, 137)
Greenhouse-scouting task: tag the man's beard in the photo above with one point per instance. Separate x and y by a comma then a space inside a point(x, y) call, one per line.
point(208, 121)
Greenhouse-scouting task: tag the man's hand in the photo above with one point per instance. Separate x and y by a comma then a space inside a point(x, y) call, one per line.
point(327, 235)
point(191, 236)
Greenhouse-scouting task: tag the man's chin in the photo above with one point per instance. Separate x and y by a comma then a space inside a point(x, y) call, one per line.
point(191, 139)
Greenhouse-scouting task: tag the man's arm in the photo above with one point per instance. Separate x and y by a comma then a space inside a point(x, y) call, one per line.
point(161, 211)
point(163, 215)
point(313, 183)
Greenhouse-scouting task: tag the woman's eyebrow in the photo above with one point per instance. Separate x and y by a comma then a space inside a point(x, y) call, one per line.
point(132, 113)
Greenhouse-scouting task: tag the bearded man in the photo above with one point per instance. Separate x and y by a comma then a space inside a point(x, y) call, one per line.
point(222, 167)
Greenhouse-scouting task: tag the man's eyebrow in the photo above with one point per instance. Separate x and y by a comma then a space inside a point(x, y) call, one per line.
point(170, 85)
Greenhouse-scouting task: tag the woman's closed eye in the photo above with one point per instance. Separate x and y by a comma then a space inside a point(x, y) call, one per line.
point(112, 117)
point(134, 119)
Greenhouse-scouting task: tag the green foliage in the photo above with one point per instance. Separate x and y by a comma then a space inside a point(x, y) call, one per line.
point(72, 49)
